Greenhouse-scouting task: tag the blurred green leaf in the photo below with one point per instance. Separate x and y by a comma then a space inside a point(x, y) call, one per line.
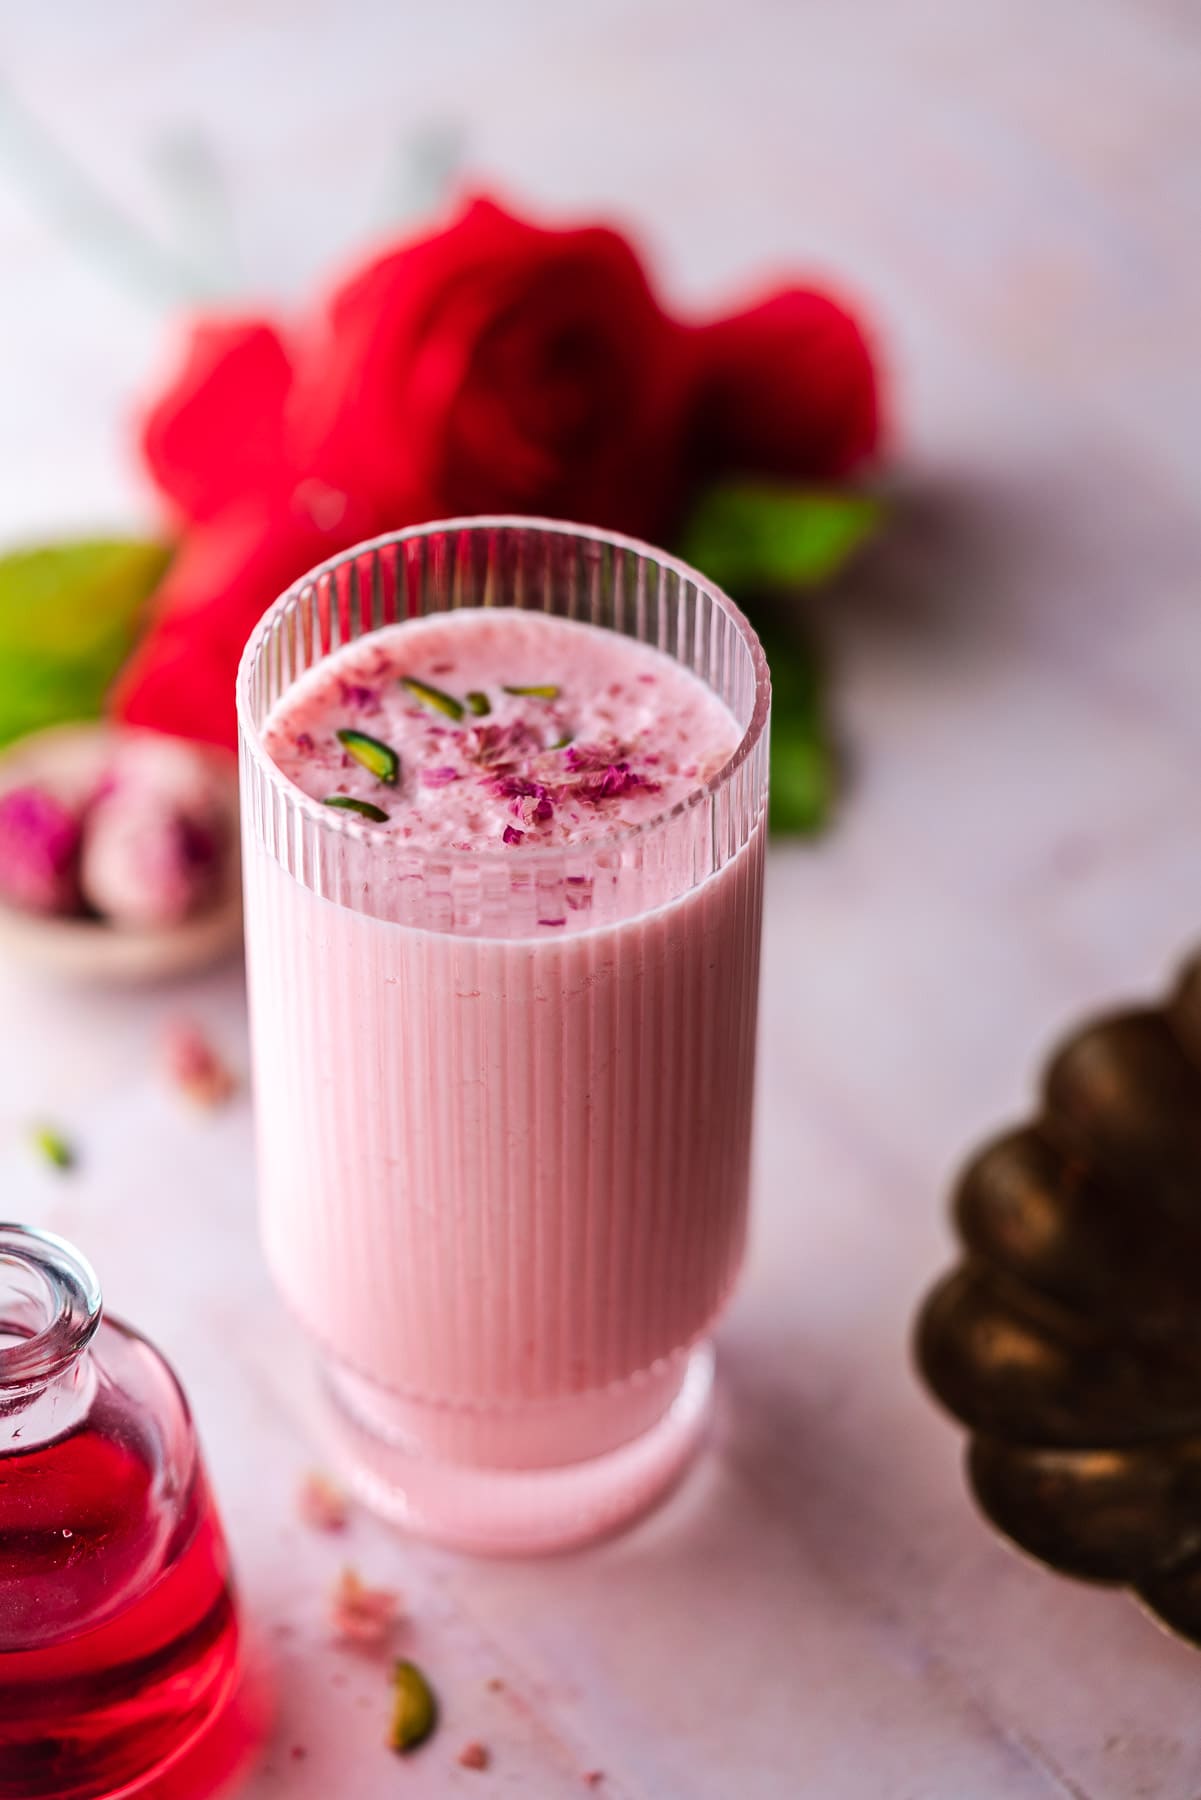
point(804, 769)
point(748, 536)
point(69, 616)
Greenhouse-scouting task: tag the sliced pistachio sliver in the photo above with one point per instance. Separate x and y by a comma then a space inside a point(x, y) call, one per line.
point(537, 690)
point(432, 697)
point(561, 743)
point(414, 1710)
point(53, 1146)
point(479, 703)
point(380, 758)
point(365, 808)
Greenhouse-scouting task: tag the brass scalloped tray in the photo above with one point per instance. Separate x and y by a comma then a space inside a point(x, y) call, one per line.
point(1068, 1338)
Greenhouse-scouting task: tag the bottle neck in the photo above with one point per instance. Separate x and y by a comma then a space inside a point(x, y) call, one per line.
point(49, 1310)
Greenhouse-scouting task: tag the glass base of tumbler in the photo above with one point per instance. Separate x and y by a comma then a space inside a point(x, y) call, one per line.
point(421, 1467)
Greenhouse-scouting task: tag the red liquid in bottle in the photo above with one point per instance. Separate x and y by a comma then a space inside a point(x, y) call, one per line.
point(118, 1638)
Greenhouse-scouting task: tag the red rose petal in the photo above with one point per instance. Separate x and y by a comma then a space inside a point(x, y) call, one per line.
point(363, 1615)
point(788, 388)
point(181, 678)
point(216, 434)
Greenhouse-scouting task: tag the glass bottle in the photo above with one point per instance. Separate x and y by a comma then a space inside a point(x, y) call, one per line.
point(118, 1636)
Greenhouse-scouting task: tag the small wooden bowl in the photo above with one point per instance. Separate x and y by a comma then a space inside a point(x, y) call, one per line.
point(70, 759)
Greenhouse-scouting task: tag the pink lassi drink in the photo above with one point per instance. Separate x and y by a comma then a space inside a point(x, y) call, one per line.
point(504, 791)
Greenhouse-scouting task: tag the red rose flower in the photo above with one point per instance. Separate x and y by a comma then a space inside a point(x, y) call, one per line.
point(499, 367)
point(492, 367)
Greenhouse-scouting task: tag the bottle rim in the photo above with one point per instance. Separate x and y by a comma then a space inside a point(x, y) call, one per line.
point(55, 1287)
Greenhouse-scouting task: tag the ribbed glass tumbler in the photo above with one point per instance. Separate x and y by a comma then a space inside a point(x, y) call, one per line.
point(504, 1099)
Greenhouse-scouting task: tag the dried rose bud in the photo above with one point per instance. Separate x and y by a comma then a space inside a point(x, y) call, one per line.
point(39, 851)
point(362, 1614)
point(322, 1503)
point(146, 865)
point(154, 840)
point(194, 1066)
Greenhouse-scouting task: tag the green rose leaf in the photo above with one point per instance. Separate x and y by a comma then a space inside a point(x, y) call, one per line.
point(759, 541)
point(751, 536)
point(69, 616)
point(804, 767)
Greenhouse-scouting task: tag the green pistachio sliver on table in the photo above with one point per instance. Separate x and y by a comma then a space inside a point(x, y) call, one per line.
point(53, 1147)
point(380, 758)
point(479, 703)
point(365, 808)
point(538, 690)
point(432, 697)
point(414, 1710)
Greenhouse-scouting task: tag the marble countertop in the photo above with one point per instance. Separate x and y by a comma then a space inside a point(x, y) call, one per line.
point(818, 1612)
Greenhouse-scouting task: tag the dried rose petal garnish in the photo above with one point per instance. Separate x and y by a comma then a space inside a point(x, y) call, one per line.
point(362, 1614)
point(499, 746)
point(441, 775)
point(475, 1755)
point(616, 780)
point(532, 802)
point(357, 693)
point(194, 1066)
point(590, 759)
point(322, 1503)
point(605, 772)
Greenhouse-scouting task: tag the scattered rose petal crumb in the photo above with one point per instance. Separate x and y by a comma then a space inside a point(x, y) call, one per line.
point(194, 1066)
point(475, 1756)
point(298, 1752)
point(496, 1685)
point(322, 1504)
point(594, 1777)
point(362, 1614)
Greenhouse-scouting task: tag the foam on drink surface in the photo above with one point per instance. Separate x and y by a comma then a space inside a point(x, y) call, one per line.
point(493, 726)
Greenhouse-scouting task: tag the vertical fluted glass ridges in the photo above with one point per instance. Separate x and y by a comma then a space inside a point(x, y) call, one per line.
point(503, 1163)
